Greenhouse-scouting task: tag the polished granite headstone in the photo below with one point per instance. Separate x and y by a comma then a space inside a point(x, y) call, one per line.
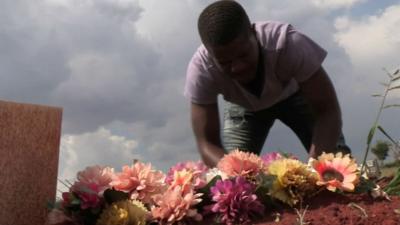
point(29, 151)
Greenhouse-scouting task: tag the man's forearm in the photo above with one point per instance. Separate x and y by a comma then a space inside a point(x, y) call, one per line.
point(211, 154)
point(327, 129)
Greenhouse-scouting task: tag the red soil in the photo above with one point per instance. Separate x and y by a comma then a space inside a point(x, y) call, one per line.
point(340, 209)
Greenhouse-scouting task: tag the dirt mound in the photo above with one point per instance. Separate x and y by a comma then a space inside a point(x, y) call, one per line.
point(339, 209)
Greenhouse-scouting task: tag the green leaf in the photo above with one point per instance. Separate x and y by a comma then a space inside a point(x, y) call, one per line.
point(392, 105)
point(75, 201)
point(395, 78)
point(371, 134)
point(384, 84)
point(265, 181)
point(387, 72)
point(387, 135)
point(206, 189)
point(395, 87)
point(87, 190)
point(364, 186)
point(393, 188)
point(206, 199)
point(264, 185)
point(112, 195)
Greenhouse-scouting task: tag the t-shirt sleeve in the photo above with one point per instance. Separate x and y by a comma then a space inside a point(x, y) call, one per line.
point(199, 85)
point(301, 57)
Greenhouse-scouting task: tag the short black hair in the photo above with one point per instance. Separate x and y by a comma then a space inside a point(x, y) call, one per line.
point(221, 22)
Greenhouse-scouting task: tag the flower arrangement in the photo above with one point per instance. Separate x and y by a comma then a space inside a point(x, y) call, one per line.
point(238, 191)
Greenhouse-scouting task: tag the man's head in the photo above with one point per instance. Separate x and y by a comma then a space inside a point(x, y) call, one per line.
point(221, 22)
point(227, 33)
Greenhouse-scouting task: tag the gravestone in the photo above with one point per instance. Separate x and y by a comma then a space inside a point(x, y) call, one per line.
point(29, 151)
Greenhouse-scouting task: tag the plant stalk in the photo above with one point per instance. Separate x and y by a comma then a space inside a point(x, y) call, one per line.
point(375, 126)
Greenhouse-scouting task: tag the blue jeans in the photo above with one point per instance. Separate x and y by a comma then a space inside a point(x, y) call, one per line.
point(248, 130)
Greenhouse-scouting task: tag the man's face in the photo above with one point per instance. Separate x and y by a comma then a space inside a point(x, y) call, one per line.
point(239, 58)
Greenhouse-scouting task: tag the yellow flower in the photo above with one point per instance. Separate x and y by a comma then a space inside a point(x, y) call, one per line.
point(127, 212)
point(336, 171)
point(293, 180)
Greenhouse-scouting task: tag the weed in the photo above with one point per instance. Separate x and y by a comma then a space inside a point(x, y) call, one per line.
point(301, 216)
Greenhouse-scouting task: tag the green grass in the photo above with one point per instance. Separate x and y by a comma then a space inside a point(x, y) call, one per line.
point(389, 169)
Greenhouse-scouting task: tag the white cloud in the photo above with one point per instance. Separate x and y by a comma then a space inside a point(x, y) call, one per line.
point(371, 42)
point(167, 143)
point(100, 147)
point(335, 4)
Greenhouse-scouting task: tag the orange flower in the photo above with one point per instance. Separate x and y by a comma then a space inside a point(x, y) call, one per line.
point(336, 171)
point(174, 206)
point(239, 163)
point(140, 180)
point(184, 179)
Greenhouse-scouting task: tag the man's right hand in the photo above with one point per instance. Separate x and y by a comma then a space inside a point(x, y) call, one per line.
point(206, 128)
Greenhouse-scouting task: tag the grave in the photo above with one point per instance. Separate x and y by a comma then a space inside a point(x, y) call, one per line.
point(29, 151)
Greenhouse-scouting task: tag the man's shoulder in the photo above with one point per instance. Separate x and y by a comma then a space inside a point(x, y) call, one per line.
point(201, 85)
point(201, 67)
point(272, 34)
point(270, 24)
point(201, 58)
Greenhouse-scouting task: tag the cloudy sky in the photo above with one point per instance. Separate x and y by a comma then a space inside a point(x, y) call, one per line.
point(117, 68)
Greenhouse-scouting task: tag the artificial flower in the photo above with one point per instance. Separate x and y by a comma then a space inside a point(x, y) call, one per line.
point(235, 201)
point(197, 170)
point(140, 181)
point(175, 206)
point(96, 175)
point(215, 172)
point(293, 181)
point(336, 171)
point(87, 193)
point(184, 179)
point(127, 212)
point(239, 163)
point(269, 157)
point(57, 216)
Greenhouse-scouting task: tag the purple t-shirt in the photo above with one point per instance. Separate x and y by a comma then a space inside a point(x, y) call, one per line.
point(289, 56)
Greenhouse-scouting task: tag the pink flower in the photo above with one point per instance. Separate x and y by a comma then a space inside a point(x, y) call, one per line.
point(270, 157)
point(197, 171)
point(183, 178)
point(88, 194)
point(97, 175)
point(239, 163)
point(140, 180)
point(336, 171)
point(56, 217)
point(66, 199)
point(175, 205)
point(235, 201)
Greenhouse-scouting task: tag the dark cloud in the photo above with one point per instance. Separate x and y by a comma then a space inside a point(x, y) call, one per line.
point(124, 62)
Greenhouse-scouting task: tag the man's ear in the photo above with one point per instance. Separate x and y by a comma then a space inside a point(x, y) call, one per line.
point(253, 27)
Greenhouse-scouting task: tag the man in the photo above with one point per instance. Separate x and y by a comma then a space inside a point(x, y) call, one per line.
point(265, 71)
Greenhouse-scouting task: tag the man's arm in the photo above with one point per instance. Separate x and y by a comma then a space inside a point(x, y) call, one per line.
point(320, 93)
point(206, 128)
